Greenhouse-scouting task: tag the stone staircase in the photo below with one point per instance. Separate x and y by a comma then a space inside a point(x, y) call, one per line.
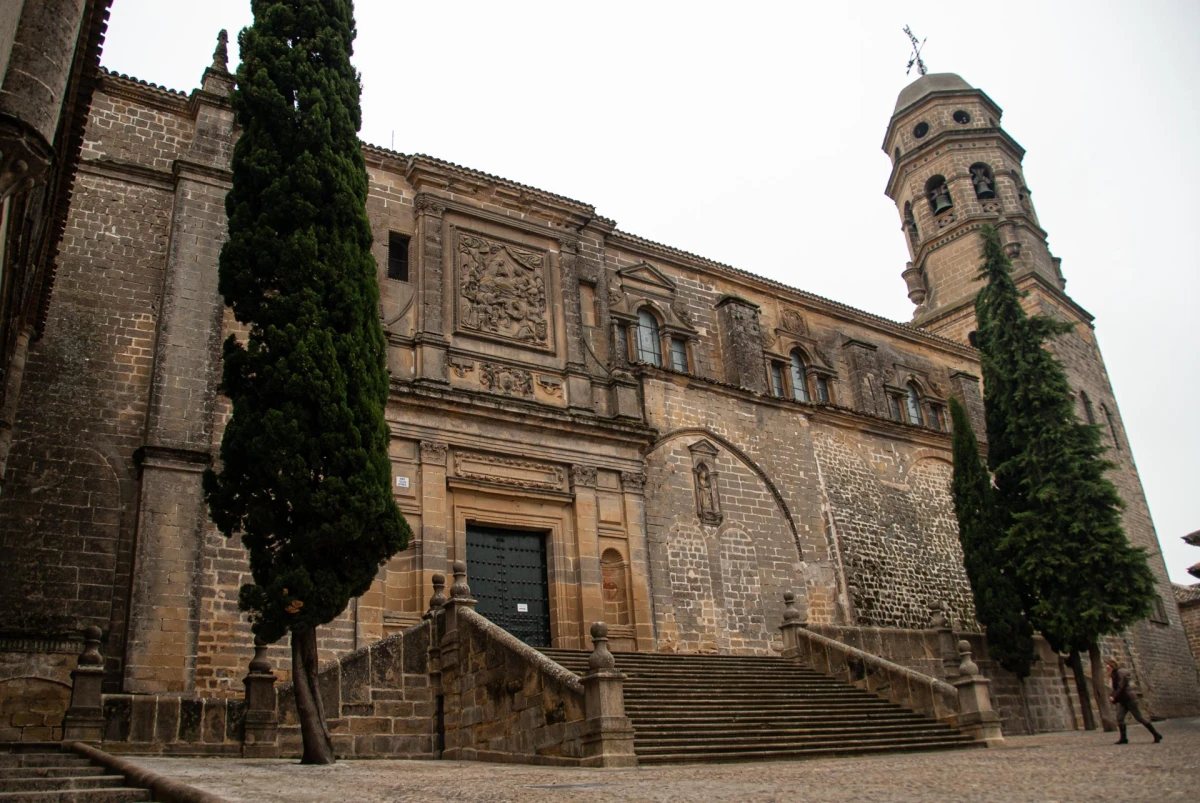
point(36, 772)
point(688, 708)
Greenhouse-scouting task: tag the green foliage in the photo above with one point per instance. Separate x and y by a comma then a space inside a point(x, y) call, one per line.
point(305, 476)
point(1079, 576)
point(998, 605)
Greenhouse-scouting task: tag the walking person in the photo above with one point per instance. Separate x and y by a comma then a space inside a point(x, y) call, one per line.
point(1126, 701)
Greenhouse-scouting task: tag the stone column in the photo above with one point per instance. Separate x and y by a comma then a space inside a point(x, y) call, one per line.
point(607, 733)
point(976, 717)
point(633, 485)
point(435, 618)
point(32, 88)
point(431, 339)
point(591, 584)
point(945, 639)
point(795, 646)
point(161, 644)
point(260, 739)
point(453, 656)
point(84, 721)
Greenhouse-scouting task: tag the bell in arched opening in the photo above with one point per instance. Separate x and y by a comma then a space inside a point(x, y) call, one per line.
point(938, 194)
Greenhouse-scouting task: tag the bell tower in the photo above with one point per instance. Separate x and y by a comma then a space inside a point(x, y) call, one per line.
point(955, 169)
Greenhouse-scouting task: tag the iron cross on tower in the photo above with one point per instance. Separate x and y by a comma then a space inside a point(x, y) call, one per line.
point(916, 54)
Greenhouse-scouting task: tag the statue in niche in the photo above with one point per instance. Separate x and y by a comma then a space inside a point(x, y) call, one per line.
point(708, 501)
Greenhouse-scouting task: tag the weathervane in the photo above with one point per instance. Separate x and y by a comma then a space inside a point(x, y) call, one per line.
point(916, 55)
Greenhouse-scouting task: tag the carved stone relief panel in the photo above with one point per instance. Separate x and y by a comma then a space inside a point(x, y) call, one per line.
point(502, 291)
point(513, 471)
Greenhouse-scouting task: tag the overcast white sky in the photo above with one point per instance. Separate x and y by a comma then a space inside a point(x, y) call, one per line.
point(750, 133)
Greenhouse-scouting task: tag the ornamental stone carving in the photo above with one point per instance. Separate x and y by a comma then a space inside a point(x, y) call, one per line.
point(514, 471)
point(633, 482)
point(427, 203)
point(584, 476)
point(502, 291)
point(506, 380)
point(792, 321)
point(462, 366)
point(552, 385)
point(433, 452)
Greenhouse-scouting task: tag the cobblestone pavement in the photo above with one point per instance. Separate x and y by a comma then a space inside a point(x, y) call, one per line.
point(1049, 767)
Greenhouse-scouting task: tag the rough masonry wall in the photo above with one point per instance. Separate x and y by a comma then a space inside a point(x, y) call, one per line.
point(875, 541)
point(66, 519)
point(1162, 663)
point(897, 534)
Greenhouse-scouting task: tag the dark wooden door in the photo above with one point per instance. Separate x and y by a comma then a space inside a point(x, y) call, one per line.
point(507, 573)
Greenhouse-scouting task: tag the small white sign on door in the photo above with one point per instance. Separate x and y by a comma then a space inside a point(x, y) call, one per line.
point(401, 482)
point(522, 607)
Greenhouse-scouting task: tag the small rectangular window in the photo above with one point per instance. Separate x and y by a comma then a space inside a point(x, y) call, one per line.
point(777, 379)
point(822, 390)
point(679, 360)
point(397, 257)
point(935, 417)
point(894, 403)
point(1158, 612)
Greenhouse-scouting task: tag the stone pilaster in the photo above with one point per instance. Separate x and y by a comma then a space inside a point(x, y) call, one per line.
point(161, 643)
point(579, 383)
point(633, 486)
point(435, 514)
point(431, 338)
point(591, 584)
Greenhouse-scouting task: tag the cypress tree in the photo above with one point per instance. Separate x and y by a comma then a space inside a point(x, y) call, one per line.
point(305, 475)
point(1080, 577)
point(998, 604)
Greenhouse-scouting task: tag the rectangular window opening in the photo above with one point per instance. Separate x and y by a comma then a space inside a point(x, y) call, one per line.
point(679, 358)
point(776, 379)
point(822, 390)
point(397, 257)
point(894, 403)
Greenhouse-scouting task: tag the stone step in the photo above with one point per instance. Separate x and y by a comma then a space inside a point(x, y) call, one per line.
point(688, 757)
point(710, 738)
point(42, 760)
point(698, 730)
point(78, 796)
point(49, 772)
point(650, 707)
point(61, 783)
point(767, 720)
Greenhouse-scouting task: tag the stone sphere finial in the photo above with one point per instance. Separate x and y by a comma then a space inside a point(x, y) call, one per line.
point(91, 647)
point(790, 614)
point(259, 664)
point(600, 658)
point(966, 666)
point(460, 589)
point(439, 592)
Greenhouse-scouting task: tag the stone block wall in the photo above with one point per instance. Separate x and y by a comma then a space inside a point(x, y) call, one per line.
point(173, 725)
point(506, 702)
point(378, 701)
point(1188, 598)
point(1041, 704)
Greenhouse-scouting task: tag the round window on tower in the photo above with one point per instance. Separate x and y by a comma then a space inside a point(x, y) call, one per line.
point(921, 130)
point(961, 117)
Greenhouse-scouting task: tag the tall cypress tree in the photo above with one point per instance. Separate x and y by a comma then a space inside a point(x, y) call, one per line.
point(998, 604)
point(305, 476)
point(1080, 577)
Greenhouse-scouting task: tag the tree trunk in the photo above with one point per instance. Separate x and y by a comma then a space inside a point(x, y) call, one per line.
point(1081, 688)
point(1101, 689)
point(318, 747)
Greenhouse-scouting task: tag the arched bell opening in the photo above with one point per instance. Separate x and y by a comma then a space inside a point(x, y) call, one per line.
point(938, 193)
point(983, 181)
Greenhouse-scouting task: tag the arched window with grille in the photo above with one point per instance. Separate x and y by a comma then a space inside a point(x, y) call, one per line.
point(912, 399)
point(799, 378)
point(649, 344)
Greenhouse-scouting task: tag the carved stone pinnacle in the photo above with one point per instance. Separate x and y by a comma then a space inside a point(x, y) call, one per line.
point(460, 589)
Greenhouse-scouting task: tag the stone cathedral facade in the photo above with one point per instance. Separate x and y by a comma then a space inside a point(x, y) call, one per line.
point(603, 427)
